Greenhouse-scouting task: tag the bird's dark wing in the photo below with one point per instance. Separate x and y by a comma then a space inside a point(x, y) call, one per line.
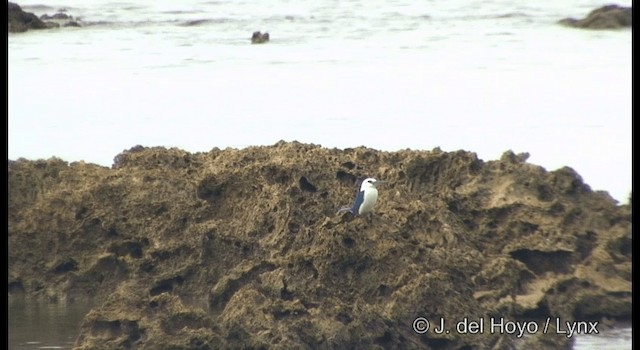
point(358, 202)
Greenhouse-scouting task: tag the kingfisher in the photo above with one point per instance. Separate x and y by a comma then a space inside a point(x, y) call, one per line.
point(366, 198)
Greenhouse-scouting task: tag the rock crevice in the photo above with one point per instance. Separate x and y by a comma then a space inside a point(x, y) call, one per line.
point(242, 248)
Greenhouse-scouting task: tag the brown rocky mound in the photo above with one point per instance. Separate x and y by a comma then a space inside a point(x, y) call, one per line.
point(242, 248)
point(605, 17)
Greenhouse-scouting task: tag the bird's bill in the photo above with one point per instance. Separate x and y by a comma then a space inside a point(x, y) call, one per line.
point(379, 182)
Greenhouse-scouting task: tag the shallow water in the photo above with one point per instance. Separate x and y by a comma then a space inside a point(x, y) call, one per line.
point(484, 76)
point(41, 325)
point(618, 338)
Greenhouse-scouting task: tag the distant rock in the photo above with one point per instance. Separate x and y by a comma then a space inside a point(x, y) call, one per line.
point(259, 38)
point(605, 17)
point(61, 19)
point(58, 16)
point(21, 21)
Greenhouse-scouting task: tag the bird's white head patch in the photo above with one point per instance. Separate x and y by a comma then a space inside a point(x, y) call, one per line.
point(368, 183)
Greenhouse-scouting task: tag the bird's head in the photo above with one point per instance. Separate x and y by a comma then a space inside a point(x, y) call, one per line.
point(370, 183)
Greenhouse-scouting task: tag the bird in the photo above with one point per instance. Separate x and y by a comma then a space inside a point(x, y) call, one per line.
point(366, 198)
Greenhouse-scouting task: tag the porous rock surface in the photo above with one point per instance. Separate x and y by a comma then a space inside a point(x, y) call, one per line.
point(242, 248)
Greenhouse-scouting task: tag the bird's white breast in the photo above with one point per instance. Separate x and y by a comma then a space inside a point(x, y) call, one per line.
point(370, 197)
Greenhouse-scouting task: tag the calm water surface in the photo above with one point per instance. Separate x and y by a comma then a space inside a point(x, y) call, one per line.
point(41, 325)
point(483, 76)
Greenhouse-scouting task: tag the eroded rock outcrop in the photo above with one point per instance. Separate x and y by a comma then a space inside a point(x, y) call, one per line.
point(242, 248)
point(605, 17)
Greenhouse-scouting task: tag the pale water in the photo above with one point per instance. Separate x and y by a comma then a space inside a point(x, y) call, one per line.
point(42, 325)
point(483, 76)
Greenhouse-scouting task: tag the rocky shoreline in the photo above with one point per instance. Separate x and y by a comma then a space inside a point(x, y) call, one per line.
point(242, 248)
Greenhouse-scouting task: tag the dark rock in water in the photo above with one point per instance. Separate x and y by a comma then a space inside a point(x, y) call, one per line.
point(58, 16)
point(230, 249)
point(606, 17)
point(259, 38)
point(21, 21)
point(61, 19)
